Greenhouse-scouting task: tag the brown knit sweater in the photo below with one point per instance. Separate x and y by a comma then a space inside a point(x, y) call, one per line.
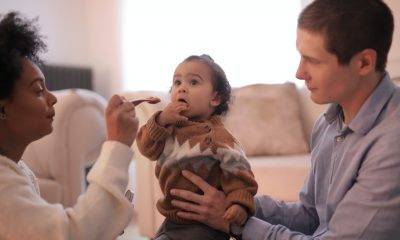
point(205, 148)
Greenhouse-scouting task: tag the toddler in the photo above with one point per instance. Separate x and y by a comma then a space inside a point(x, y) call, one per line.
point(189, 135)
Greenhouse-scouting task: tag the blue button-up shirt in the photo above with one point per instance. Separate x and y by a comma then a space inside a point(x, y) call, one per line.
point(353, 188)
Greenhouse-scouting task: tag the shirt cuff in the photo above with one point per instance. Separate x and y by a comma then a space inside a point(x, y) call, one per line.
point(256, 229)
point(111, 168)
point(157, 132)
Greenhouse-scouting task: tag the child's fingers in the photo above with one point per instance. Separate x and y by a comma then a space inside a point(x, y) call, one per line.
point(181, 108)
point(229, 215)
point(181, 118)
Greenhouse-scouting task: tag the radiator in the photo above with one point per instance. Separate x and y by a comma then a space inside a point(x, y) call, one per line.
point(64, 77)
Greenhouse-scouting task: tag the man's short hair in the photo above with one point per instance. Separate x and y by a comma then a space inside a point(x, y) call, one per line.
point(351, 26)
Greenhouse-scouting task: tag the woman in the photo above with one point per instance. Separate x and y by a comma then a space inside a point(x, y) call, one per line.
point(26, 114)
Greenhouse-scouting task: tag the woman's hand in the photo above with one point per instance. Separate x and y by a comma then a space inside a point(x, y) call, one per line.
point(208, 208)
point(122, 124)
point(172, 114)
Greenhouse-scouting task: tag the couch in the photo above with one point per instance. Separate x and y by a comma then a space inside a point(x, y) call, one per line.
point(272, 122)
point(61, 159)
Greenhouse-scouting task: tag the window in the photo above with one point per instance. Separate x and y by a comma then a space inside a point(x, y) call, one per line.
point(254, 41)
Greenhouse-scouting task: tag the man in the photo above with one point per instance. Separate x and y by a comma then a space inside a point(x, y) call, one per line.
point(353, 188)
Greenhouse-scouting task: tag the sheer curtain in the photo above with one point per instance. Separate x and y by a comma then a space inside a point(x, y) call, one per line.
point(254, 41)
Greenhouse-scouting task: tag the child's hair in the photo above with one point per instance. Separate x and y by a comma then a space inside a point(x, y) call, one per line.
point(219, 81)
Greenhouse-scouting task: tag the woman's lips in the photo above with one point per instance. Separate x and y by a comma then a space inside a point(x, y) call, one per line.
point(51, 115)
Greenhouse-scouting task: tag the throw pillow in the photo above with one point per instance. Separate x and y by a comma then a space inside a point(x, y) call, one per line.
point(265, 118)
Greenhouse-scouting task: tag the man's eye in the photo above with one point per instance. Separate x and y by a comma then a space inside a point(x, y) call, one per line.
point(313, 61)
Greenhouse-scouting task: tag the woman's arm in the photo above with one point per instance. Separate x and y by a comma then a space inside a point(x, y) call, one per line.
point(100, 213)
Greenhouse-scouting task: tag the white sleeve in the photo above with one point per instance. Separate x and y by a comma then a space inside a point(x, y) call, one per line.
point(100, 213)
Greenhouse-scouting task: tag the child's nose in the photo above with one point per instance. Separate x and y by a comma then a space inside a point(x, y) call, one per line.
point(182, 88)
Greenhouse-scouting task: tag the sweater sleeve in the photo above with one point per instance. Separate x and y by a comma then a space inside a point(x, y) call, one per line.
point(102, 212)
point(151, 138)
point(237, 179)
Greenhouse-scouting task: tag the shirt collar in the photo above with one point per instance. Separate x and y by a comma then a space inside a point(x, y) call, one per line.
point(369, 111)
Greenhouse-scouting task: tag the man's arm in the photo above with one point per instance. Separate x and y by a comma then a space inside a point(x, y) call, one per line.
point(299, 216)
point(210, 207)
point(369, 210)
point(295, 216)
point(284, 220)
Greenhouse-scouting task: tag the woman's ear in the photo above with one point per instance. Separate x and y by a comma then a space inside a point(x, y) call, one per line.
point(2, 105)
point(2, 112)
point(215, 100)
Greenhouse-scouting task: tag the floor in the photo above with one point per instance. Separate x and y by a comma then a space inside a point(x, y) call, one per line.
point(131, 233)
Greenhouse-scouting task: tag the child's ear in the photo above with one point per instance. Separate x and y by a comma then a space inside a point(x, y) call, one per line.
point(215, 100)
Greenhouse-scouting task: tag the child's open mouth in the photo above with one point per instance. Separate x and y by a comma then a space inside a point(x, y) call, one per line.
point(182, 100)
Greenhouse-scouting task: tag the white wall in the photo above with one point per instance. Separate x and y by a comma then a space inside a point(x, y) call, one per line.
point(87, 33)
point(79, 33)
point(62, 22)
point(394, 54)
point(104, 43)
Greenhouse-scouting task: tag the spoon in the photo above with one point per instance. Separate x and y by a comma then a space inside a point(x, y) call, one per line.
point(151, 100)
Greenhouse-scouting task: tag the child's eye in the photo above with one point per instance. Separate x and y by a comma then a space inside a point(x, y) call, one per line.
point(177, 82)
point(194, 82)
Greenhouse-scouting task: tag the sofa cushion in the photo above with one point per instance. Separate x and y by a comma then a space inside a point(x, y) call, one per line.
point(265, 118)
point(280, 177)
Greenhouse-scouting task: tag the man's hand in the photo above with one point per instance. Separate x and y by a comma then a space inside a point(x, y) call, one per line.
point(172, 114)
point(208, 208)
point(236, 214)
point(122, 124)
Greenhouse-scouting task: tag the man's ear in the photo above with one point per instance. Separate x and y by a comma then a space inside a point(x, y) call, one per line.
point(215, 100)
point(366, 61)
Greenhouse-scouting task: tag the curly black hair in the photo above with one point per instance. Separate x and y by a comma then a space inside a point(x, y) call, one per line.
point(19, 38)
point(219, 81)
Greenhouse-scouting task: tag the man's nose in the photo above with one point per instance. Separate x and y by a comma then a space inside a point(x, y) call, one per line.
point(301, 72)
